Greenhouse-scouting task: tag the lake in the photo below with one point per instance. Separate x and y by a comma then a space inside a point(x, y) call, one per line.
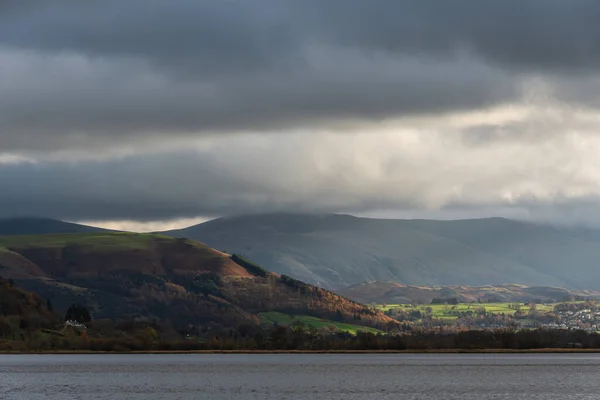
point(308, 376)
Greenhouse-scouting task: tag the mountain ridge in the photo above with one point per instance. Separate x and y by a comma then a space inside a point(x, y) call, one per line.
point(336, 251)
point(396, 293)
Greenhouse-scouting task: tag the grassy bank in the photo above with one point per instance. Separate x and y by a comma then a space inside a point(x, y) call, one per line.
point(318, 323)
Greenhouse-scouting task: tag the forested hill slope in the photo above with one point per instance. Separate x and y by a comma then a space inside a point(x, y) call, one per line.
point(22, 313)
point(336, 251)
point(179, 281)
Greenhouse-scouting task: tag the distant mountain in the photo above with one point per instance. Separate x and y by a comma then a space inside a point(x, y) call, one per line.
point(337, 251)
point(39, 226)
point(177, 281)
point(397, 293)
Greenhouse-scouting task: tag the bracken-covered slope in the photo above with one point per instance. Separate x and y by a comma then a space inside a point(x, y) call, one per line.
point(126, 275)
point(336, 251)
point(22, 313)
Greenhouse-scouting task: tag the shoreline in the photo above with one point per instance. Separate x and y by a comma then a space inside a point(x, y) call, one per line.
point(428, 351)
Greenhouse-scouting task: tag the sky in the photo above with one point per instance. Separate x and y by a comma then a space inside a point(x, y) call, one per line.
point(151, 114)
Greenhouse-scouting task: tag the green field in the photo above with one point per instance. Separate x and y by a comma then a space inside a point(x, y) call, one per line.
point(272, 317)
point(450, 312)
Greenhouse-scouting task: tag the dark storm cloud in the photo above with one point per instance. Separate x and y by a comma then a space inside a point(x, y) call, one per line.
point(140, 188)
point(298, 173)
point(527, 35)
point(240, 34)
point(81, 110)
point(412, 84)
point(161, 188)
point(84, 74)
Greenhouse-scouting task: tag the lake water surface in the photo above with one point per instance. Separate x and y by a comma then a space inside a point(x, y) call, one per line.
point(348, 377)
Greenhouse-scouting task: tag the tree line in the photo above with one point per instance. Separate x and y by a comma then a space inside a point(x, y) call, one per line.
point(124, 336)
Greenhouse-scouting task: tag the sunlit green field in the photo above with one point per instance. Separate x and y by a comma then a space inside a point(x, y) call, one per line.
point(448, 311)
point(286, 319)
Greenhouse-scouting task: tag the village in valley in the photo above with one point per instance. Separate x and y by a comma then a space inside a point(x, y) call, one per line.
point(449, 315)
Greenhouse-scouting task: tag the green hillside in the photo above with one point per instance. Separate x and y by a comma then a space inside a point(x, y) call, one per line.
point(274, 317)
point(91, 241)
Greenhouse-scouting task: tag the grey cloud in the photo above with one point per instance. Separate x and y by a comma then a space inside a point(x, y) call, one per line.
point(91, 74)
point(527, 35)
point(202, 36)
point(323, 174)
point(138, 188)
point(146, 78)
point(70, 101)
point(239, 34)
